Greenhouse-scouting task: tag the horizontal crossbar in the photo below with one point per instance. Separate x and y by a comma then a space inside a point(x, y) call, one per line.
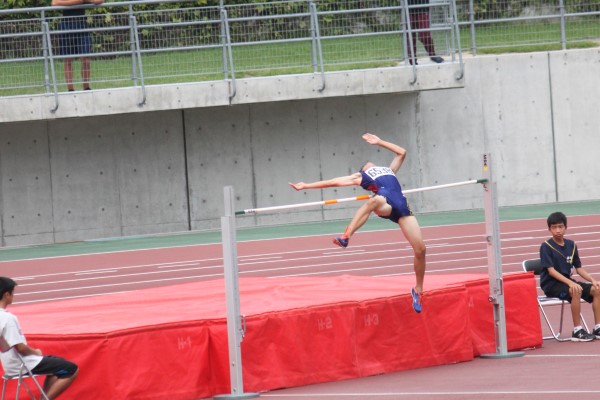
point(348, 199)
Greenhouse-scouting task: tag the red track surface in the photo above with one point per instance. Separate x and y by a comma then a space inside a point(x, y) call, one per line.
point(451, 249)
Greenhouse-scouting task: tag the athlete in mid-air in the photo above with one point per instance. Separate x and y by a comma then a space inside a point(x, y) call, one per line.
point(388, 202)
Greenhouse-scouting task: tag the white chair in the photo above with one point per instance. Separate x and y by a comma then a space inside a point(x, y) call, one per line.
point(535, 266)
point(21, 378)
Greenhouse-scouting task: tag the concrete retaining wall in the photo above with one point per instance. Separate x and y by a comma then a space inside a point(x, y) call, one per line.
point(163, 171)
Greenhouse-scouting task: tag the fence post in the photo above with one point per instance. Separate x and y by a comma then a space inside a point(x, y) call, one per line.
point(138, 54)
point(47, 52)
point(316, 43)
point(563, 33)
point(412, 57)
point(228, 67)
point(472, 27)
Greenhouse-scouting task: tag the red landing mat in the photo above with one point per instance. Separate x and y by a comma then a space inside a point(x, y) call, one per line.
point(171, 342)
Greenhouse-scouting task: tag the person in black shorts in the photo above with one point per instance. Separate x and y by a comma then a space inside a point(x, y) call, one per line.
point(59, 372)
point(75, 43)
point(559, 256)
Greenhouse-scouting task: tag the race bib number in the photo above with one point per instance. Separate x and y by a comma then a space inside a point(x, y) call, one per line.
point(376, 172)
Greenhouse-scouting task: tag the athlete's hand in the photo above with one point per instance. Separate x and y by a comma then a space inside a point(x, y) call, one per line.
point(575, 288)
point(370, 138)
point(298, 186)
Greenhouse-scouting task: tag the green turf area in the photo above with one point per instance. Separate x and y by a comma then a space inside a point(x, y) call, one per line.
point(282, 58)
point(291, 230)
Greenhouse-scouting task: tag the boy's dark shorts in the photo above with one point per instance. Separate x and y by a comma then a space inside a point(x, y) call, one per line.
point(71, 44)
point(59, 367)
point(561, 290)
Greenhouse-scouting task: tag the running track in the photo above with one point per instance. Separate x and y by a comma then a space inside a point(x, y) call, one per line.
point(555, 372)
point(450, 249)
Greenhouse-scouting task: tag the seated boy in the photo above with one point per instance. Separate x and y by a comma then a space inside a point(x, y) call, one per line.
point(559, 256)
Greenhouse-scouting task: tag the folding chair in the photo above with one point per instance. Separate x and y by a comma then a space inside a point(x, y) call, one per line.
point(535, 266)
point(21, 377)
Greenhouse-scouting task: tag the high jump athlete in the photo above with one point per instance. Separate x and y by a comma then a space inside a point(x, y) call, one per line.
point(387, 202)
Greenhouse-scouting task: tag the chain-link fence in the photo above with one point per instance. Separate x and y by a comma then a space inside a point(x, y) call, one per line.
point(508, 26)
point(137, 43)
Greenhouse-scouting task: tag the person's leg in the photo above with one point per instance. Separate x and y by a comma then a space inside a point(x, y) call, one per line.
point(48, 382)
point(425, 35)
point(59, 372)
point(596, 308)
point(580, 334)
point(69, 73)
point(576, 308)
point(85, 72)
point(58, 385)
point(596, 305)
point(414, 23)
point(412, 232)
point(375, 204)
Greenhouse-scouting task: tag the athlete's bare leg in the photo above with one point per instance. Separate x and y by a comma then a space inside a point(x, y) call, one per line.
point(375, 204)
point(576, 308)
point(412, 232)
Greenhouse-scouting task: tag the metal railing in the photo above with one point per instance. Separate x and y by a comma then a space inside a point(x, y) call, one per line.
point(529, 25)
point(141, 43)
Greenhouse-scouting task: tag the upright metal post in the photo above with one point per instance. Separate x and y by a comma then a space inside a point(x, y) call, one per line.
point(411, 54)
point(235, 330)
point(317, 50)
point(134, 27)
point(49, 55)
point(492, 227)
point(472, 27)
point(563, 34)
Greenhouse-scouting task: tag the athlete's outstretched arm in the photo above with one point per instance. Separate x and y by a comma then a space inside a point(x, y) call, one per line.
point(349, 180)
point(394, 148)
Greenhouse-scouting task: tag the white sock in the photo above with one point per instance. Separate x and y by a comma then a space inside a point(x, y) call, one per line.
point(577, 328)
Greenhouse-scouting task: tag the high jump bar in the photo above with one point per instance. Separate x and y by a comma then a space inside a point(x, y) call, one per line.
point(348, 199)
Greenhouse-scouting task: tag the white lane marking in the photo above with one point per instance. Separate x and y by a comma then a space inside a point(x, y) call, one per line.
point(371, 395)
point(116, 284)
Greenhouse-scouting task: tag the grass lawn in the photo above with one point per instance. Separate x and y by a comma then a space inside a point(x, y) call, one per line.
point(382, 50)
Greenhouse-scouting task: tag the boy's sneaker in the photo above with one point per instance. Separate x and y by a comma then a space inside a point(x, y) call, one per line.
point(416, 300)
point(340, 241)
point(596, 333)
point(582, 336)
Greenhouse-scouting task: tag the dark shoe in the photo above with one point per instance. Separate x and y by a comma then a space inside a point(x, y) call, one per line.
point(582, 336)
point(410, 61)
point(87, 88)
point(342, 242)
point(596, 333)
point(416, 300)
point(436, 59)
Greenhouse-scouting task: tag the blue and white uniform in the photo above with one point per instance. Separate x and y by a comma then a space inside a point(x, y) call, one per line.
point(383, 181)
